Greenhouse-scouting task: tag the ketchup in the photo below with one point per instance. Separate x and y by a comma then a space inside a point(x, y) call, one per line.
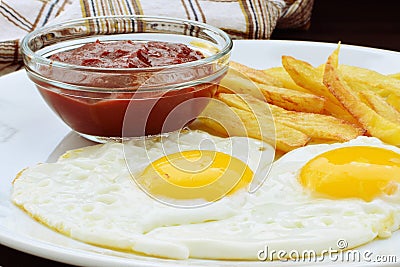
point(128, 54)
point(132, 112)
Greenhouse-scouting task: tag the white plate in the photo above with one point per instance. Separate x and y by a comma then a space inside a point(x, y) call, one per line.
point(30, 133)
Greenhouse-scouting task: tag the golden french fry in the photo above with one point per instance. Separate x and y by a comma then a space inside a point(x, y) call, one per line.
point(395, 75)
point(293, 100)
point(305, 75)
point(310, 78)
point(208, 125)
point(321, 69)
point(255, 75)
point(365, 79)
point(380, 105)
point(233, 82)
point(287, 138)
point(375, 124)
point(317, 126)
point(221, 120)
point(394, 100)
point(358, 86)
point(238, 122)
point(285, 79)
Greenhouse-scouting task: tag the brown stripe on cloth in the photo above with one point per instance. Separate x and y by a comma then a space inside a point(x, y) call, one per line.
point(102, 4)
point(124, 8)
point(203, 17)
point(88, 9)
point(16, 15)
point(249, 17)
point(100, 10)
point(7, 16)
point(85, 8)
point(129, 7)
point(96, 8)
point(39, 15)
point(10, 67)
point(187, 15)
point(191, 8)
point(127, 27)
point(6, 65)
point(188, 10)
point(50, 11)
point(7, 45)
point(111, 7)
point(9, 51)
point(7, 56)
point(263, 18)
point(118, 6)
point(297, 15)
point(61, 9)
point(17, 56)
point(259, 13)
point(235, 34)
point(194, 30)
point(273, 13)
point(137, 7)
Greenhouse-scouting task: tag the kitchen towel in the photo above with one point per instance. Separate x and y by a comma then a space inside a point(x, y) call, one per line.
point(241, 19)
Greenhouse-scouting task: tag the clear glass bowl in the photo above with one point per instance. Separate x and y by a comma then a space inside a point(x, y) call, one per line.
point(113, 103)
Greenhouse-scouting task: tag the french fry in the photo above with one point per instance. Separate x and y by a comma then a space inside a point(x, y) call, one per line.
point(234, 82)
point(375, 124)
point(310, 78)
point(365, 79)
point(380, 105)
point(221, 120)
point(306, 76)
point(394, 100)
point(287, 138)
point(379, 87)
point(316, 126)
point(255, 75)
point(293, 100)
point(395, 75)
point(245, 123)
point(285, 79)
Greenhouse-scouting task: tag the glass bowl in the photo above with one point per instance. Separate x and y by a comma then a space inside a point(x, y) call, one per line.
point(113, 103)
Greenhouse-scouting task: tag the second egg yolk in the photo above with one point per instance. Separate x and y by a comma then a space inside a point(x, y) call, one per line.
point(357, 171)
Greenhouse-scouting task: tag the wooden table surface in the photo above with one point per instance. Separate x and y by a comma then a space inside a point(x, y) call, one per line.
point(357, 22)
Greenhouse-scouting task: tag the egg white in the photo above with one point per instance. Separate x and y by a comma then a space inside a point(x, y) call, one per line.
point(89, 195)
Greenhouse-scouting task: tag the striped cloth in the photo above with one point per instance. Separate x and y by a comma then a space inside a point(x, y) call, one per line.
point(241, 19)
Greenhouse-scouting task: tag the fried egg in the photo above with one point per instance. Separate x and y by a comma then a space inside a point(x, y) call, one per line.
point(89, 195)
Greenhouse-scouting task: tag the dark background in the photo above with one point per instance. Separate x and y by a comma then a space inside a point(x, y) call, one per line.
point(357, 22)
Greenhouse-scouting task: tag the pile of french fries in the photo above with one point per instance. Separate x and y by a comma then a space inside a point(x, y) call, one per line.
point(298, 104)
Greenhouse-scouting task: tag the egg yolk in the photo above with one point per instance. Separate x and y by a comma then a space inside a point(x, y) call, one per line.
point(359, 171)
point(194, 174)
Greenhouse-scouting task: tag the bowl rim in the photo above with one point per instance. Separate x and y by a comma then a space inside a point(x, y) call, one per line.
point(28, 53)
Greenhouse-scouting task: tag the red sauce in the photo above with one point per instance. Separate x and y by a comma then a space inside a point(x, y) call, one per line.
point(107, 114)
point(128, 54)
